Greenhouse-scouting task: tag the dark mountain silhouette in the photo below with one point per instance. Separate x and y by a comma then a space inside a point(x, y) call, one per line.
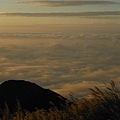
point(30, 95)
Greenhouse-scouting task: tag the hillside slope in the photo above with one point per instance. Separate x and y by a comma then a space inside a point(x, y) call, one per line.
point(30, 95)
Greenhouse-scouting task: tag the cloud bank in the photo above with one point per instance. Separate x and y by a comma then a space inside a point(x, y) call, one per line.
point(67, 3)
point(62, 14)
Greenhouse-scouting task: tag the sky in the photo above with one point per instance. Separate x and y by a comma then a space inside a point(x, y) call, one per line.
point(28, 12)
point(66, 46)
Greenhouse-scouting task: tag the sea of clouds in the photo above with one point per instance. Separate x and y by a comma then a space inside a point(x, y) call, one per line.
point(62, 62)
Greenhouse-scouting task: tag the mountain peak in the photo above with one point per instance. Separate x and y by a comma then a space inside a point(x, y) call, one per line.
point(30, 95)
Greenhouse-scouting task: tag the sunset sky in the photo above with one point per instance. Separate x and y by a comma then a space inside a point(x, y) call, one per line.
point(28, 12)
point(64, 45)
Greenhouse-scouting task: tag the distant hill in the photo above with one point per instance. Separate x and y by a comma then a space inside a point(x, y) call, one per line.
point(30, 95)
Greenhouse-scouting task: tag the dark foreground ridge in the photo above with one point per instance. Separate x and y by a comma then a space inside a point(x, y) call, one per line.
point(30, 95)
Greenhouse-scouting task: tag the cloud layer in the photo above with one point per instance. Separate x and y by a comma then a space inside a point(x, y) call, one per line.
point(62, 14)
point(63, 62)
point(67, 3)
